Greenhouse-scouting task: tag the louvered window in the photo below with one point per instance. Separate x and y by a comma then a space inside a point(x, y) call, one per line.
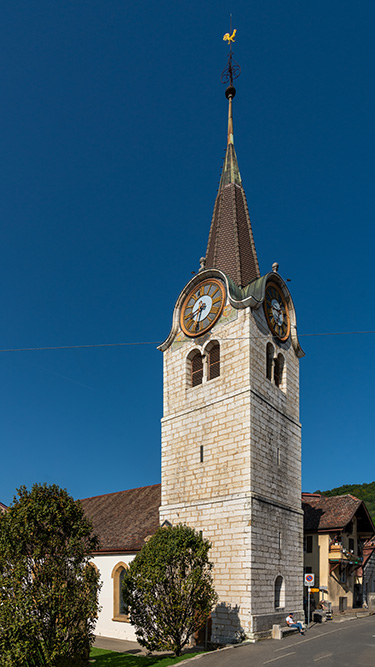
point(270, 354)
point(196, 369)
point(278, 370)
point(214, 361)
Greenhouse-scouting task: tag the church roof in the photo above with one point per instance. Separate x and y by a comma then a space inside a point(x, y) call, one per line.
point(231, 245)
point(325, 514)
point(123, 520)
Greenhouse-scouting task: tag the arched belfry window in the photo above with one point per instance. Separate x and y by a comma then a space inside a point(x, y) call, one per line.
point(120, 613)
point(202, 367)
point(196, 365)
point(214, 361)
point(279, 370)
point(279, 592)
point(275, 367)
point(269, 360)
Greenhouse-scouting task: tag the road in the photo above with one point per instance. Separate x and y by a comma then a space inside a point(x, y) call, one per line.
point(350, 643)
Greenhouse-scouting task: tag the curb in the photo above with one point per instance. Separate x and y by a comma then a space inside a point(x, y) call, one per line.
point(218, 650)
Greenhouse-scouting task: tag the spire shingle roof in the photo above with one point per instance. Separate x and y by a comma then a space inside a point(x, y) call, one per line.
point(231, 245)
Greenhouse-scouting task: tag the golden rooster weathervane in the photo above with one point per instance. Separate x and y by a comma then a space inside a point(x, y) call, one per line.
point(230, 38)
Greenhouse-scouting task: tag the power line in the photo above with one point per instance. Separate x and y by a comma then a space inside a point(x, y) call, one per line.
point(158, 342)
point(339, 333)
point(76, 347)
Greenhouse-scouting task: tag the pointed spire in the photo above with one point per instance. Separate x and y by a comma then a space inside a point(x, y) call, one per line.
point(230, 172)
point(231, 245)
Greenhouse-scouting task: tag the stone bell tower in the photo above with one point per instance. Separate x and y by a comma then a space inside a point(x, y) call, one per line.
point(231, 436)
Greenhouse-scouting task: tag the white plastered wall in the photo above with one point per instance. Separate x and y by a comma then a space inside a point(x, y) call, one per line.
point(106, 626)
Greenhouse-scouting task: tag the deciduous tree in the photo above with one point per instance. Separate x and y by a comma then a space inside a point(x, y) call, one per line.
point(48, 589)
point(168, 588)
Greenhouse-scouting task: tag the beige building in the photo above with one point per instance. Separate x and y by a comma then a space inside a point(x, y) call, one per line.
point(231, 436)
point(336, 529)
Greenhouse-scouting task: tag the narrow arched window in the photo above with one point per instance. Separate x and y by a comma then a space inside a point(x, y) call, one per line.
point(120, 613)
point(196, 369)
point(269, 361)
point(214, 361)
point(278, 370)
point(279, 592)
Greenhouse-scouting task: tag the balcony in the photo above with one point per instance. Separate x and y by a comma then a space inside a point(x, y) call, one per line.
point(338, 554)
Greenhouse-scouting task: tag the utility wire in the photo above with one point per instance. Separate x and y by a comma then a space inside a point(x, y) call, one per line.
point(75, 347)
point(158, 342)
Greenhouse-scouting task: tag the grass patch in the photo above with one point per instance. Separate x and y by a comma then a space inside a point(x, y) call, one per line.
point(100, 657)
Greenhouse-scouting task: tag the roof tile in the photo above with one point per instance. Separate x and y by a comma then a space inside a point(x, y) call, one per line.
point(323, 513)
point(122, 520)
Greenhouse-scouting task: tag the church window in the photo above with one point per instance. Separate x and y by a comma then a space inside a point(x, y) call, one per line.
point(279, 592)
point(119, 609)
point(278, 370)
point(214, 361)
point(196, 369)
point(201, 451)
point(270, 355)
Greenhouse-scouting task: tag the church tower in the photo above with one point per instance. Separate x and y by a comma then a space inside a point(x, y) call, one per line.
point(231, 436)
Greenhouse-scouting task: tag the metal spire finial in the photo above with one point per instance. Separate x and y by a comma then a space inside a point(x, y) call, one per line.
point(232, 71)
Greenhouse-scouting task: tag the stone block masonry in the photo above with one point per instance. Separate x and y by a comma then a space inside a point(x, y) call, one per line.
point(231, 461)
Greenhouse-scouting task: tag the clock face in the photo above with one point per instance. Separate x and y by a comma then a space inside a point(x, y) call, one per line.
point(202, 307)
point(277, 313)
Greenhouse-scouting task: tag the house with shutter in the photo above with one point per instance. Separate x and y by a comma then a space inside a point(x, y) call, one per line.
point(336, 530)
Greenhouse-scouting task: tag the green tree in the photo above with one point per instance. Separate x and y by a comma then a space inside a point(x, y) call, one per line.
point(48, 590)
point(168, 588)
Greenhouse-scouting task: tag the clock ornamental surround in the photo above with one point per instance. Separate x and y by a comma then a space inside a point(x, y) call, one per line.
point(277, 312)
point(202, 307)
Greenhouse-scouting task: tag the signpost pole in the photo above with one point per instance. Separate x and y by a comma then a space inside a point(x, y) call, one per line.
point(309, 581)
point(308, 606)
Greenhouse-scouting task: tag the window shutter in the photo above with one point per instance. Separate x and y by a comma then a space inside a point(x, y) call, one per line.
point(196, 369)
point(214, 362)
point(278, 370)
point(270, 354)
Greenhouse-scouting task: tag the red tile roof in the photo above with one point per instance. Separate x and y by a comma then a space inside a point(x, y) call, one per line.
point(122, 520)
point(323, 513)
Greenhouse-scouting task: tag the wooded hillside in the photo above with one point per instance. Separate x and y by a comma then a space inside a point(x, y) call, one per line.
point(364, 492)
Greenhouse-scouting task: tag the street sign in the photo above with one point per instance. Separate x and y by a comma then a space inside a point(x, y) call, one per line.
point(314, 590)
point(309, 579)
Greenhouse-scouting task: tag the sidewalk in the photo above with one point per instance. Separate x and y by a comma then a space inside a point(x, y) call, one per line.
point(125, 646)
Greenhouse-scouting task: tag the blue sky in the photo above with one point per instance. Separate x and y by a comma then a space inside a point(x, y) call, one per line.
point(113, 130)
